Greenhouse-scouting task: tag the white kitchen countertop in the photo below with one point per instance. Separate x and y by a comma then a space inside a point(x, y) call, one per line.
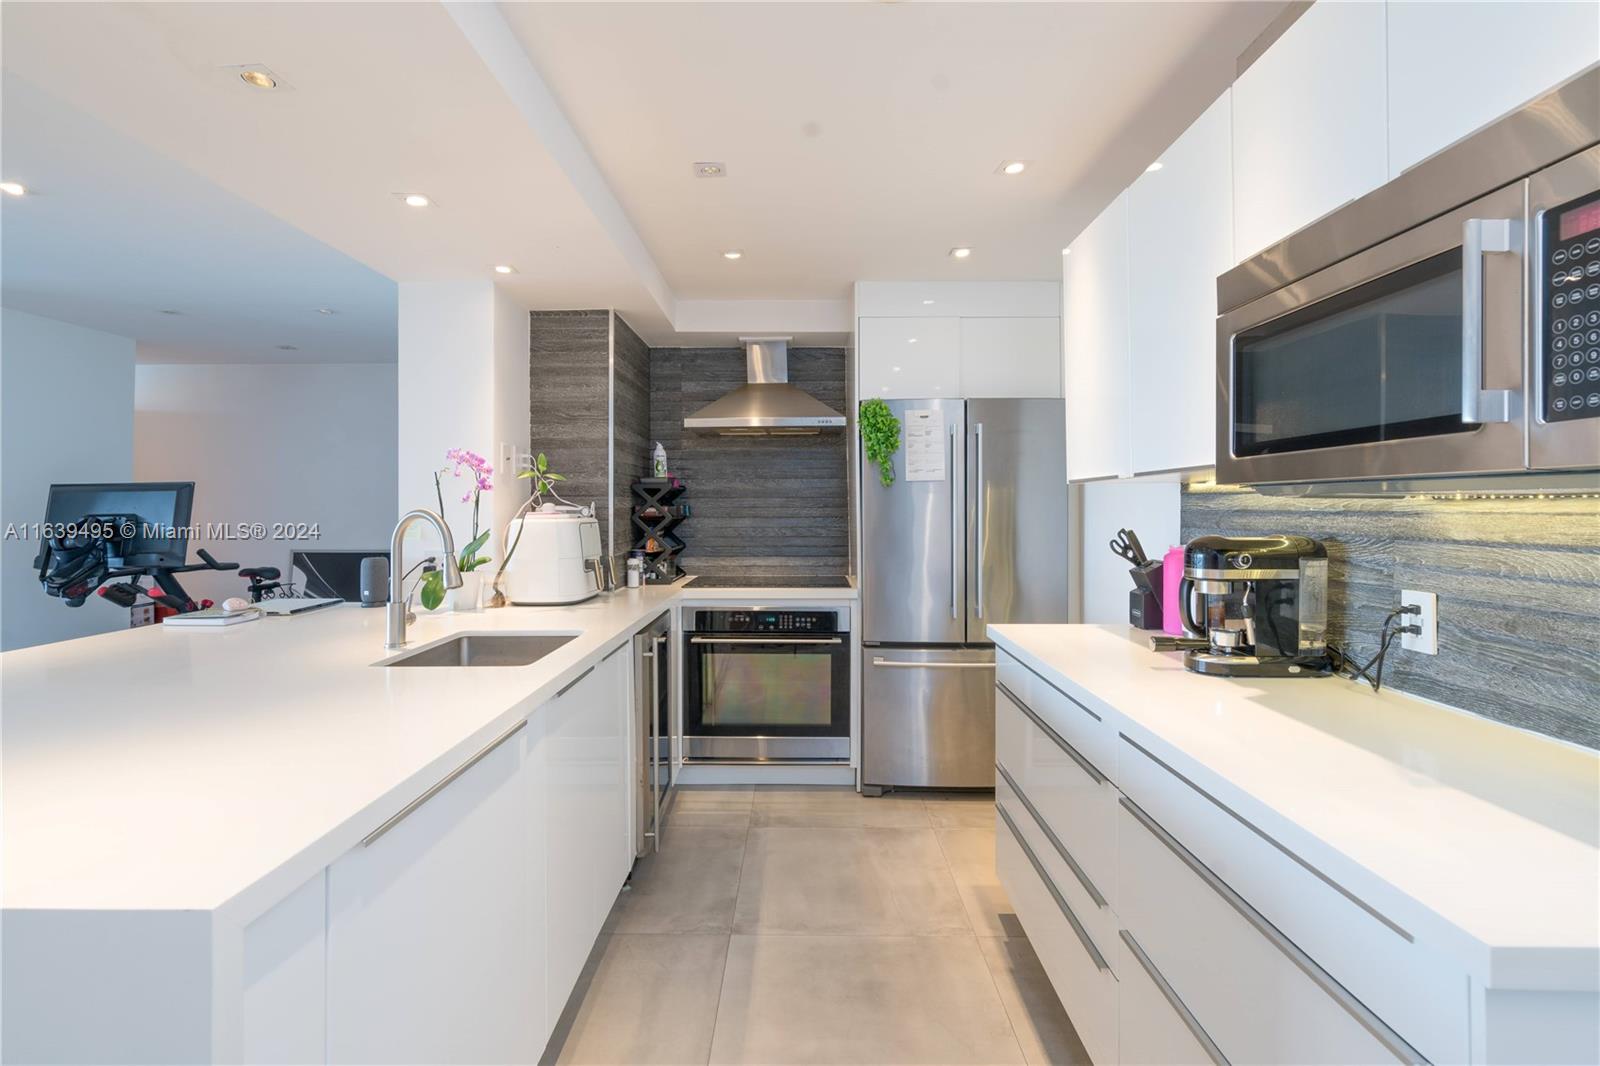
point(218, 769)
point(1478, 837)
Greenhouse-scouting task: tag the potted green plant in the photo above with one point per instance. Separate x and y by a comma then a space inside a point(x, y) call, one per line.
point(469, 596)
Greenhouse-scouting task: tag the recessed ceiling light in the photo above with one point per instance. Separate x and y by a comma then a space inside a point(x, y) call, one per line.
point(416, 199)
point(503, 268)
point(1066, 251)
point(1153, 167)
point(261, 79)
point(170, 311)
point(326, 311)
point(287, 348)
point(927, 303)
point(911, 340)
point(13, 188)
point(710, 170)
point(960, 253)
point(733, 253)
point(1013, 166)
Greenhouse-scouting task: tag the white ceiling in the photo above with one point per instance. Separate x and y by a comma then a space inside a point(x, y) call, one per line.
point(861, 138)
point(113, 235)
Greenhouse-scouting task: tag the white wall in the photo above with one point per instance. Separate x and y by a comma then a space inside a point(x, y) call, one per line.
point(66, 415)
point(463, 384)
point(290, 443)
point(1150, 509)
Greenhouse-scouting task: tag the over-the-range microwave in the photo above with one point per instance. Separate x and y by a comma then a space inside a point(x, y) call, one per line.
point(1445, 324)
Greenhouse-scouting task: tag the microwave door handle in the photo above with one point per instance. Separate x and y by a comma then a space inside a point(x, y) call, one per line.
point(1479, 237)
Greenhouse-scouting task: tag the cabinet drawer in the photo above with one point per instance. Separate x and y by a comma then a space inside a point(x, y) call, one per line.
point(1155, 1026)
point(1080, 893)
point(1083, 982)
point(1074, 808)
point(1258, 996)
point(1080, 726)
point(1421, 994)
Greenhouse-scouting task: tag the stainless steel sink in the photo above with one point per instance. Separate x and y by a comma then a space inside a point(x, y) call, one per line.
point(485, 649)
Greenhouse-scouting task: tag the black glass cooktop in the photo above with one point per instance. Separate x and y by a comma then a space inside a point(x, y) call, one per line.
point(770, 581)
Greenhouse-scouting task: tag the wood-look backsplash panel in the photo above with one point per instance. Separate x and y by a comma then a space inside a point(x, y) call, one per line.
point(630, 383)
point(568, 406)
point(1518, 582)
point(761, 505)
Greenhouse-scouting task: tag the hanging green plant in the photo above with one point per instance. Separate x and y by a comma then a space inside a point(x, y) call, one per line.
point(880, 435)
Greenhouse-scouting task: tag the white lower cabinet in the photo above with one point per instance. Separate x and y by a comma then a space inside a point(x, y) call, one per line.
point(1078, 970)
point(589, 850)
point(282, 1009)
point(1154, 950)
point(1154, 1026)
point(435, 931)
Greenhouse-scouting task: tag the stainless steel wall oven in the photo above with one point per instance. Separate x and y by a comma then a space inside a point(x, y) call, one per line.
point(764, 684)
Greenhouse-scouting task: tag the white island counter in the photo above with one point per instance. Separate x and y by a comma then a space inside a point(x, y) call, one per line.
point(1431, 876)
point(187, 814)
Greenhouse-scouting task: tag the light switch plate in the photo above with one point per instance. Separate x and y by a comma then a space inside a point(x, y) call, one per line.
point(1427, 641)
point(506, 461)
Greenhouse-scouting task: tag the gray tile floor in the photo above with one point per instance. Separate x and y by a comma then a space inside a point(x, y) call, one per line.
point(786, 925)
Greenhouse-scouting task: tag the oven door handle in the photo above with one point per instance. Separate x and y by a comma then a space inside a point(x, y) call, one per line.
point(1480, 237)
point(763, 640)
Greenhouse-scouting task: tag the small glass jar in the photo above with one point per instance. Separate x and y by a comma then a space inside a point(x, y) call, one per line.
point(635, 571)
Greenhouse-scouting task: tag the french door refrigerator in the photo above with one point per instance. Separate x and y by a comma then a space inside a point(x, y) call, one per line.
point(972, 533)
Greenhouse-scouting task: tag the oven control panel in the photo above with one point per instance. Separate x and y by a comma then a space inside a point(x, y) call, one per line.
point(1569, 364)
point(762, 621)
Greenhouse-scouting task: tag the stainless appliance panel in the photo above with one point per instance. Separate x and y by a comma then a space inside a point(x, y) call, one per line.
point(1016, 513)
point(927, 717)
point(913, 581)
point(652, 688)
point(1490, 447)
point(1557, 444)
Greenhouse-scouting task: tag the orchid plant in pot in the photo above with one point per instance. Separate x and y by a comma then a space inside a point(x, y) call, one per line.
point(468, 596)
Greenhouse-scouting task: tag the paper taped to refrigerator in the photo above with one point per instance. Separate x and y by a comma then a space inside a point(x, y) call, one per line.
point(925, 444)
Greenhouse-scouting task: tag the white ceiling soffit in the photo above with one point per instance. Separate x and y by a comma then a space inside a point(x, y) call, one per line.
point(116, 237)
point(380, 99)
point(862, 141)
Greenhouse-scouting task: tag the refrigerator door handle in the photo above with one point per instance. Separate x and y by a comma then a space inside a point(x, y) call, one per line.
point(978, 498)
point(955, 531)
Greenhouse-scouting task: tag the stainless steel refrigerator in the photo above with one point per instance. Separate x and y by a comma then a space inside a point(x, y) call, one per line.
point(971, 533)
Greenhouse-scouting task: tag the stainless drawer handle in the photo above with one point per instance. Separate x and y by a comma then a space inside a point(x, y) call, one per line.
point(1386, 1036)
point(1055, 841)
point(1059, 740)
point(1056, 689)
point(404, 812)
point(564, 689)
point(1055, 893)
point(1189, 1020)
point(766, 640)
point(612, 653)
point(1306, 866)
point(878, 660)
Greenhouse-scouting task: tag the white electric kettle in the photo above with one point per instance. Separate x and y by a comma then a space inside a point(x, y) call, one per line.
point(557, 557)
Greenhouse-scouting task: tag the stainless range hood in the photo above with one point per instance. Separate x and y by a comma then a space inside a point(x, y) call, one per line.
point(768, 405)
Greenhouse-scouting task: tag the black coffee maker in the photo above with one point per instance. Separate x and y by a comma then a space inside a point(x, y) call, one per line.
point(1263, 606)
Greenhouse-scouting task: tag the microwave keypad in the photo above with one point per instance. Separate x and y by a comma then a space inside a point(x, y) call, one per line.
point(1571, 296)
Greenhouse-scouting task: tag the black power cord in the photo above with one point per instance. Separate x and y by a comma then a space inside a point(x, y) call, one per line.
point(1347, 667)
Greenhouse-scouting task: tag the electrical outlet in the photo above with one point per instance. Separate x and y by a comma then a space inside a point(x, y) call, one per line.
point(506, 462)
point(1426, 641)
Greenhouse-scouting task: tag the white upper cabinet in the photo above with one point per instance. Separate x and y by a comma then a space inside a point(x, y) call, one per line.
point(1454, 67)
point(909, 358)
point(1095, 310)
point(1180, 237)
point(1010, 357)
point(1309, 130)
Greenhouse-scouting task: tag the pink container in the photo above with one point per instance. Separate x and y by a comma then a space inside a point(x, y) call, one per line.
point(1171, 608)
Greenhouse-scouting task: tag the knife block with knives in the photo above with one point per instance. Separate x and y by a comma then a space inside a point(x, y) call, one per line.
point(1144, 601)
